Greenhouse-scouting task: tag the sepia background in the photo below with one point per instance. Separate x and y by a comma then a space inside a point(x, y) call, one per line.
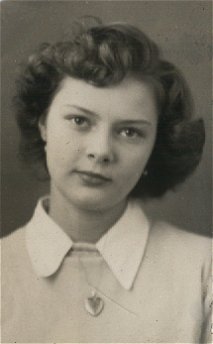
point(183, 31)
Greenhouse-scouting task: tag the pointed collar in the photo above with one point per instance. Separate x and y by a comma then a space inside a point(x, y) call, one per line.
point(122, 246)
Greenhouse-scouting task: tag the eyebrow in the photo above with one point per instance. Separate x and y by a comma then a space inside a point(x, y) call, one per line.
point(88, 112)
point(126, 122)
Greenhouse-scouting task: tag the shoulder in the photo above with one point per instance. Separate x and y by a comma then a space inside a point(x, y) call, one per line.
point(178, 235)
point(13, 248)
point(188, 246)
point(173, 233)
point(16, 269)
point(14, 240)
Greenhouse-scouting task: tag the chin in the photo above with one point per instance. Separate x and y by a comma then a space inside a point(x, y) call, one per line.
point(94, 203)
point(91, 206)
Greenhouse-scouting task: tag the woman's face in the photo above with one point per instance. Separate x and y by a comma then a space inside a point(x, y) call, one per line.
point(98, 140)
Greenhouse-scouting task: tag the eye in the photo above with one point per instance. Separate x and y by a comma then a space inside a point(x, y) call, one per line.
point(130, 132)
point(79, 120)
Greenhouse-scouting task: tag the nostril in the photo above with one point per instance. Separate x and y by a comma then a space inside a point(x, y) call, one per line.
point(91, 156)
point(105, 159)
point(101, 158)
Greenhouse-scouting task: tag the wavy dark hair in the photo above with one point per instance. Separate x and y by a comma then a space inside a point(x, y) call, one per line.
point(104, 55)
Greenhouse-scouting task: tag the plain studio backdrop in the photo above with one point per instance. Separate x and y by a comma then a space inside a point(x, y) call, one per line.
point(183, 31)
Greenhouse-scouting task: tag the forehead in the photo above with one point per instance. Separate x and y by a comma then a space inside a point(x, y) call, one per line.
point(131, 96)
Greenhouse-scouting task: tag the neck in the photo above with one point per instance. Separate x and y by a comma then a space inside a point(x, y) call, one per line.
point(83, 225)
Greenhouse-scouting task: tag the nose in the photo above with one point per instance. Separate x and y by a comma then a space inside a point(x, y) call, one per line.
point(100, 147)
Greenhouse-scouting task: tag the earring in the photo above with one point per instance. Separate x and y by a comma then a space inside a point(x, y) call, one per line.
point(145, 173)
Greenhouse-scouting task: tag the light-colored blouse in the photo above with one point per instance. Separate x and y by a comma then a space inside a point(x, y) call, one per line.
point(153, 281)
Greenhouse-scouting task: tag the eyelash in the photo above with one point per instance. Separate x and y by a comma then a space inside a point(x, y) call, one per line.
point(84, 121)
point(136, 133)
point(85, 124)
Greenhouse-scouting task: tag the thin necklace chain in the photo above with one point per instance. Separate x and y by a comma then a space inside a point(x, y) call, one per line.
point(96, 288)
point(100, 291)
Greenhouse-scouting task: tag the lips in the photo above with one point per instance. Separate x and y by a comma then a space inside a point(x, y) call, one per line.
point(92, 179)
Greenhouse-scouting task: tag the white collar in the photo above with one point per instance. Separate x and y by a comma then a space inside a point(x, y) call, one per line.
point(48, 244)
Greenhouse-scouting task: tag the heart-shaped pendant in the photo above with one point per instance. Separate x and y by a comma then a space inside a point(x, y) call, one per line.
point(94, 305)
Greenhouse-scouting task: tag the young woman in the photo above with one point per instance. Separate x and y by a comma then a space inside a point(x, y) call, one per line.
point(111, 123)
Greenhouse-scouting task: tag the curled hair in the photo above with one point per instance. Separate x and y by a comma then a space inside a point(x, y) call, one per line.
point(104, 55)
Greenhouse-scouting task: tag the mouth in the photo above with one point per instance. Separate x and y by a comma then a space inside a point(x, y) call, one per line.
point(92, 178)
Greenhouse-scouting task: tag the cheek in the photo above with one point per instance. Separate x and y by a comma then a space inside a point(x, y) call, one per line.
point(136, 159)
point(134, 170)
point(61, 154)
point(134, 163)
point(61, 143)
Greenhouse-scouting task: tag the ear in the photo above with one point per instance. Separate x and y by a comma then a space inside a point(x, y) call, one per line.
point(42, 128)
